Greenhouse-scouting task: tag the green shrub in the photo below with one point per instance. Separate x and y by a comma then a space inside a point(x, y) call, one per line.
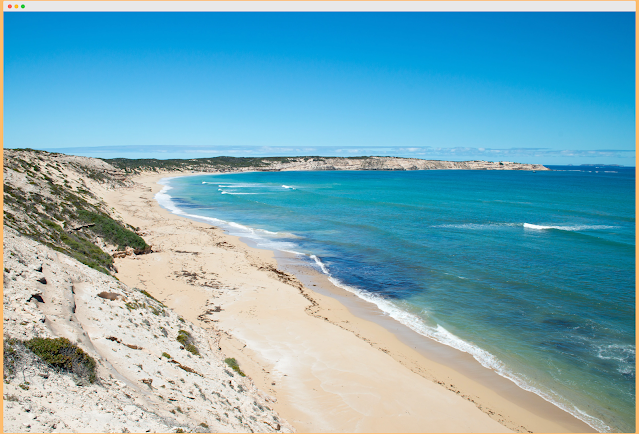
point(132, 305)
point(51, 224)
point(183, 337)
point(156, 311)
point(87, 249)
point(151, 297)
point(62, 354)
point(186, 339)
point(78, 247)
point(112, 231)
point(192, 349)
point(234, 365)
point(167, 355)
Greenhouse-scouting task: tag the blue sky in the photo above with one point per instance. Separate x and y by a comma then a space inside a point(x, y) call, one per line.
point(553, 88)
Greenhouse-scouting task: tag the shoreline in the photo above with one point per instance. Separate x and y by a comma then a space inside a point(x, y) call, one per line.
point(425, 361)
point(449, 362)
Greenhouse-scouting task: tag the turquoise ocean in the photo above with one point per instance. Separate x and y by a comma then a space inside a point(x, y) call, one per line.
point(532, 273)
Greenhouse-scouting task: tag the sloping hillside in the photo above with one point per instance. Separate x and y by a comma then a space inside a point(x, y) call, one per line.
point(84, 352)
point(48, 197)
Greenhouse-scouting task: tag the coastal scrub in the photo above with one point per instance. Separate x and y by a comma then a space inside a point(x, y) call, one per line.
point(235, 366)
point(42, 204)
point(62, 354)
point(186, 340)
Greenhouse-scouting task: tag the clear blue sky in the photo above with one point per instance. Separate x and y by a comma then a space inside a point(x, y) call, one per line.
point(554, 88)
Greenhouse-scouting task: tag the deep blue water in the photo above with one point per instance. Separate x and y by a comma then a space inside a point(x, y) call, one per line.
point(530, 272)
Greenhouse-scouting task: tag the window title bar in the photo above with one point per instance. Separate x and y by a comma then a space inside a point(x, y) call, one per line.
point(319, 6)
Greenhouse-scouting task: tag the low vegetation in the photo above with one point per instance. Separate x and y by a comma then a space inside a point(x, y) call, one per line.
point(62, 354)
point(151, 297)
point(220, 164)
point(158, 309)
point(111, 231)
point(234, 365)
point(58, 353)
point(41, 203)
point(217, 163)
point(186, 340)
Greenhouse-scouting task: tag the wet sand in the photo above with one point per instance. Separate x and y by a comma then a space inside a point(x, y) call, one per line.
point(331, 361)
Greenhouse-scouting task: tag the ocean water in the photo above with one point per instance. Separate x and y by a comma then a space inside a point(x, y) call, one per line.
point(530, 272)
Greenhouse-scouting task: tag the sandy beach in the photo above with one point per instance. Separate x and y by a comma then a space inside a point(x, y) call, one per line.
point(333, 362)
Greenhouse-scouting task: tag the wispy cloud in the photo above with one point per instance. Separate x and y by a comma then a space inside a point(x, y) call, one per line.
point(536, 152)
point(540, 155)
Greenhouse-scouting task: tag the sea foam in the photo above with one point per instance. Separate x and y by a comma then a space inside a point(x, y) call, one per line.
point(261, 237)
point(443, 336)
point(420, 325)
point(573, 228)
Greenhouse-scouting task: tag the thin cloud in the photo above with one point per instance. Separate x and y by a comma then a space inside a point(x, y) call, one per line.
point(424, 152)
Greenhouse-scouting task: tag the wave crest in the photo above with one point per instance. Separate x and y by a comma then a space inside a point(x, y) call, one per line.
point(568, 228)
point(443, 336)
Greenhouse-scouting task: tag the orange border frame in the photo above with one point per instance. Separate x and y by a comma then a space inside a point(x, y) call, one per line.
point(550, 1)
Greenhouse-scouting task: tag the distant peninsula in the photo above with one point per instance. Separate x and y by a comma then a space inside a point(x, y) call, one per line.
point(276, 164)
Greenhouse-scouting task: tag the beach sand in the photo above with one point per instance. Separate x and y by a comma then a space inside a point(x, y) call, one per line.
point(331, 361)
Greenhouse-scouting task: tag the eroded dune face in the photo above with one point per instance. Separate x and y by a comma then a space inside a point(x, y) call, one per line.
point(110, 358)
point(146, 379)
